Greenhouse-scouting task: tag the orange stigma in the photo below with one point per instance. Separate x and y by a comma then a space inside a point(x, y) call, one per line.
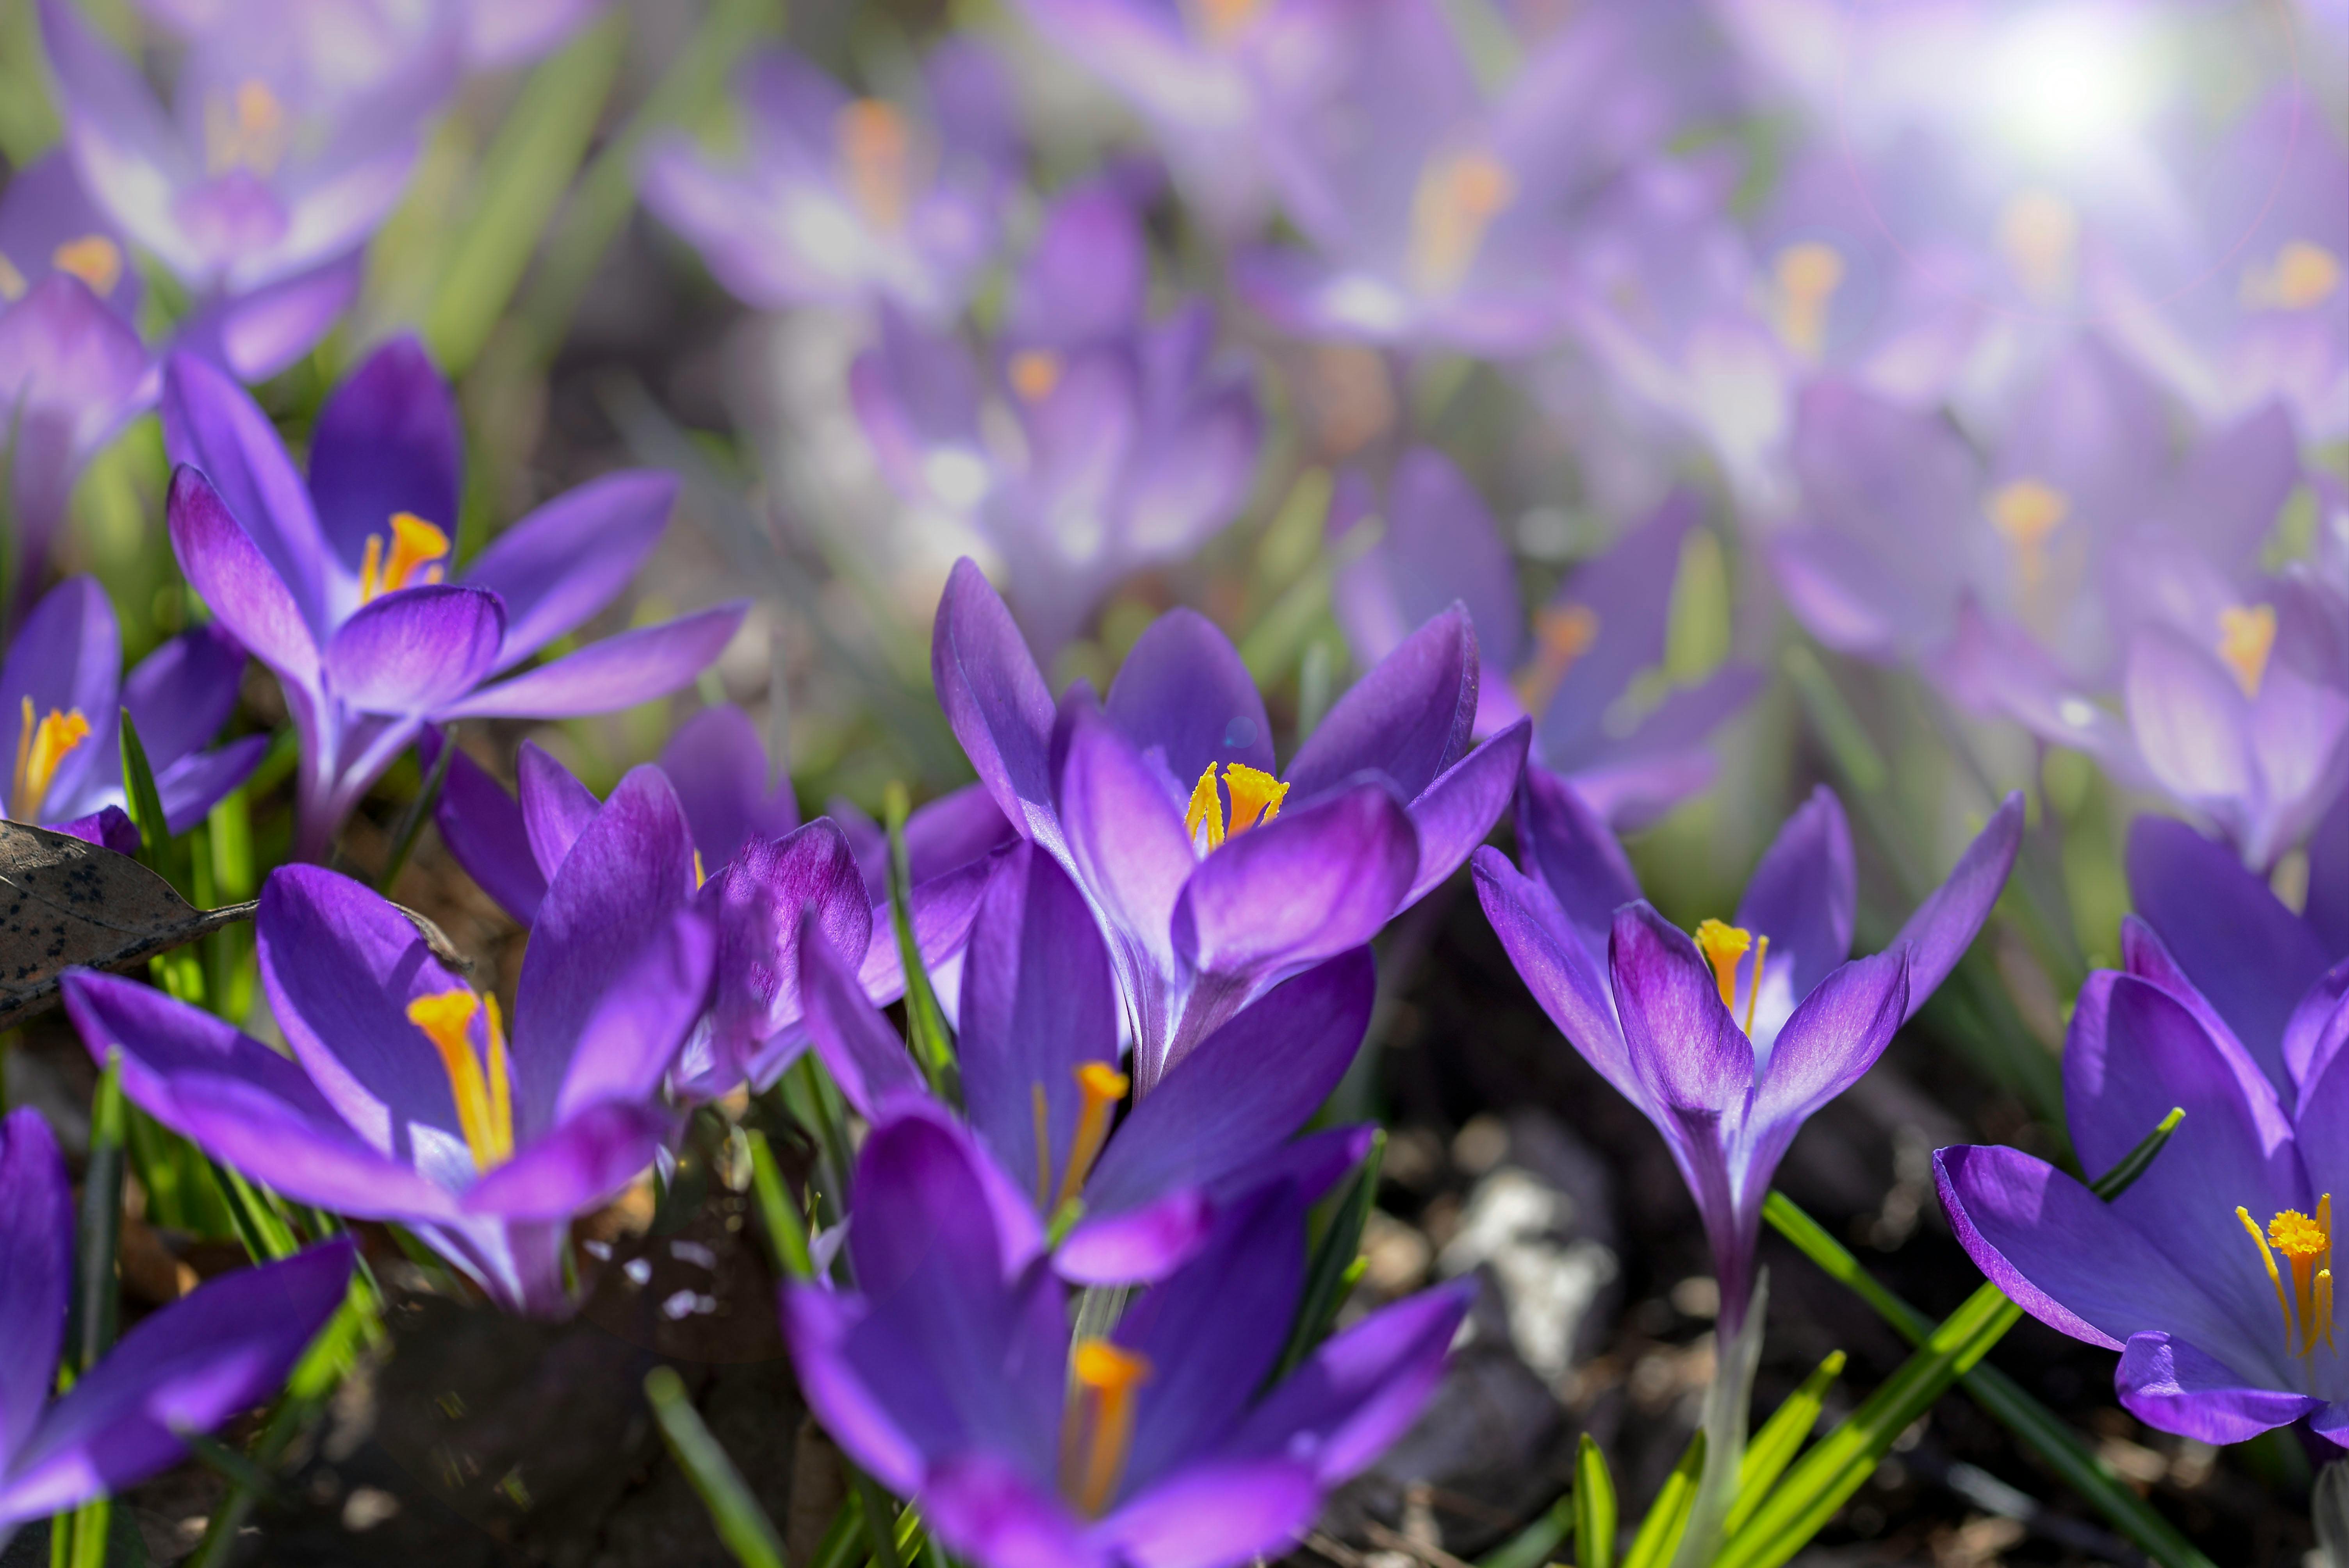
point(1034, 372)
point(1256, 798)
point(94, 259)
point(876, 149)
point(1808, 276)
point(1562, 635)
point(1103, 1087)
point(2247, 635)
point(479, 1083)
point(2306, 1244)
point(417, 551)
point(41, 748)
point(1097, 1431)
point(244, 129)
point(2025, 512)
point(1457, 198)
point(2306, 274)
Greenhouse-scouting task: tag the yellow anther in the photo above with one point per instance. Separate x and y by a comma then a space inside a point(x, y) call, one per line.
point(1725, 947)
point(2247, 635)
point(1103, 1087)
point(1098, 1431)
point(2024, 512)
point(699, 876)
point(417, 548)
point(1808, 275)
point(1034, 373)
point(2306, 1243)
point(483, 1092)
point(1562, 635)
point(1205, 811)
point(41, 748)
point(876, 151)
point(2306, 274)
point(12, 282)
point(1754, 992)
point(247, 128)
point(2040, 232)
point(94, 259)
point(1255, 795)
point(1457, 198)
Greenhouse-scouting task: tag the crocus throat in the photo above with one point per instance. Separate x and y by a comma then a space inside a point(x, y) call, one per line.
point(1562, 635)
point(417, 551)
point(2039, 231)
point(1458, 196)
point(12, 282)
point(2247, 635)
point(1808, 275)
point(2024, 512)
point(244, 129)
point(1256, 798)
point(1725, 946)
point(94, 259)
point(40, 748)
point(479, 1083)
point(1103, 1087)
point(1033, 373)
point(2303, 276)
point(1223, 21)
point(876, 155)
point(2307, 1247)
point(1097, 1430)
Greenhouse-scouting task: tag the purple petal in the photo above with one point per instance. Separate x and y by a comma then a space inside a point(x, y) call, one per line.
point(67, 657)
point(2323, 1126)
point(873, 1066)
point(595, 1152)
point(1125, 839)
point(1802, 897)
point(1568, 845)
point(189, 788)
point(1458, 810)
point(1557, 966)
point(2318, 1031)
point(720, 768)
point(190, 1368)
point(1039, 1003)
point(257, 335)
point(571, 556)
point(233, 576)
point(416, 651)
point(181, 694)
point(1440, 546)
point(1088, 275)
point(990, 1511)
point(122, 145)
point(1944, 925)
point(944, 907)
point(482, 826)
point(2191, 723)
point(1686, 1048)
point(995, 700)
point(210, 424)
point(387, 441)
point(2327, 912)
point(109, 828)
point(1361, 1389)
point(761, 899)
point(2169, 1384)
point(1836, 1034)
point(1632, 781)
point(37, 1243)
point(619, 672)
point(637, 1026)
point(1409, 719)
point(1628, 590)
point(1137, 1244)
point(555, 807)
point(1184, 693)
point(629, 871)
point(1215, 1511)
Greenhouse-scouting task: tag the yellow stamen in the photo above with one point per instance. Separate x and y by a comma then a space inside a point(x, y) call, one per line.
point(2040, 232)
point(1205, 809)
point(1103, 1086)
point(1098, 1430)
point(1034, 373)
point(1754, 994)
point(1223, 21)
point(1562, 635)
point(41, 748)
point(2247, 635)
point(94, 259)
point(1256, 796)
point(1457, 198)
point(2304, 275)
point(484, 1099)
point(417, 548)
point(1724, 945)
point(12, 282)
point(2306, 1244)
point(246, 128)
point(699, 876)
point(876, 147)
point(2025, 512)
point(1808, 275)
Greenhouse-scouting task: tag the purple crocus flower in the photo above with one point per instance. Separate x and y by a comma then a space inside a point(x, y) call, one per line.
point(1604, 626)
point(1207, 906)
point(2213, 1274)
point(337, 584)
point(209, 1357)
point(1728, 1042)
point(1038, 1052)
point(292, 134)
point(62, 693)
point(843, 200)
point(952, 1376)
point(407, 1099)
point(1097, 443)
point(72, 372)
point(48, 225)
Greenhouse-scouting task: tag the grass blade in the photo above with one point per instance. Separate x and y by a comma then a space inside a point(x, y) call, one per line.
point(1533, 1546)
point(741, 1523)
point(1781, 1438)
point(1594, 1507)
point(925, 1022)
point(1660, 1532)
point(1337, 1261)
point(786, 1228)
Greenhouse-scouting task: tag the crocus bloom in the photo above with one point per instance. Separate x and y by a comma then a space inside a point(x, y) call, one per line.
point(1098, 443)
point(951, 1375)
point(2213, 1274)
point(407, 1099)
point(1037, 1051)
point(62, 693)
point(842, 199)
point(1728, 1042)
point(1213, 876)
point(292, 134)
point(207, 1357)
point(48, 225)
point(1604, 626)
point(337, 584)
point(71, 373)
